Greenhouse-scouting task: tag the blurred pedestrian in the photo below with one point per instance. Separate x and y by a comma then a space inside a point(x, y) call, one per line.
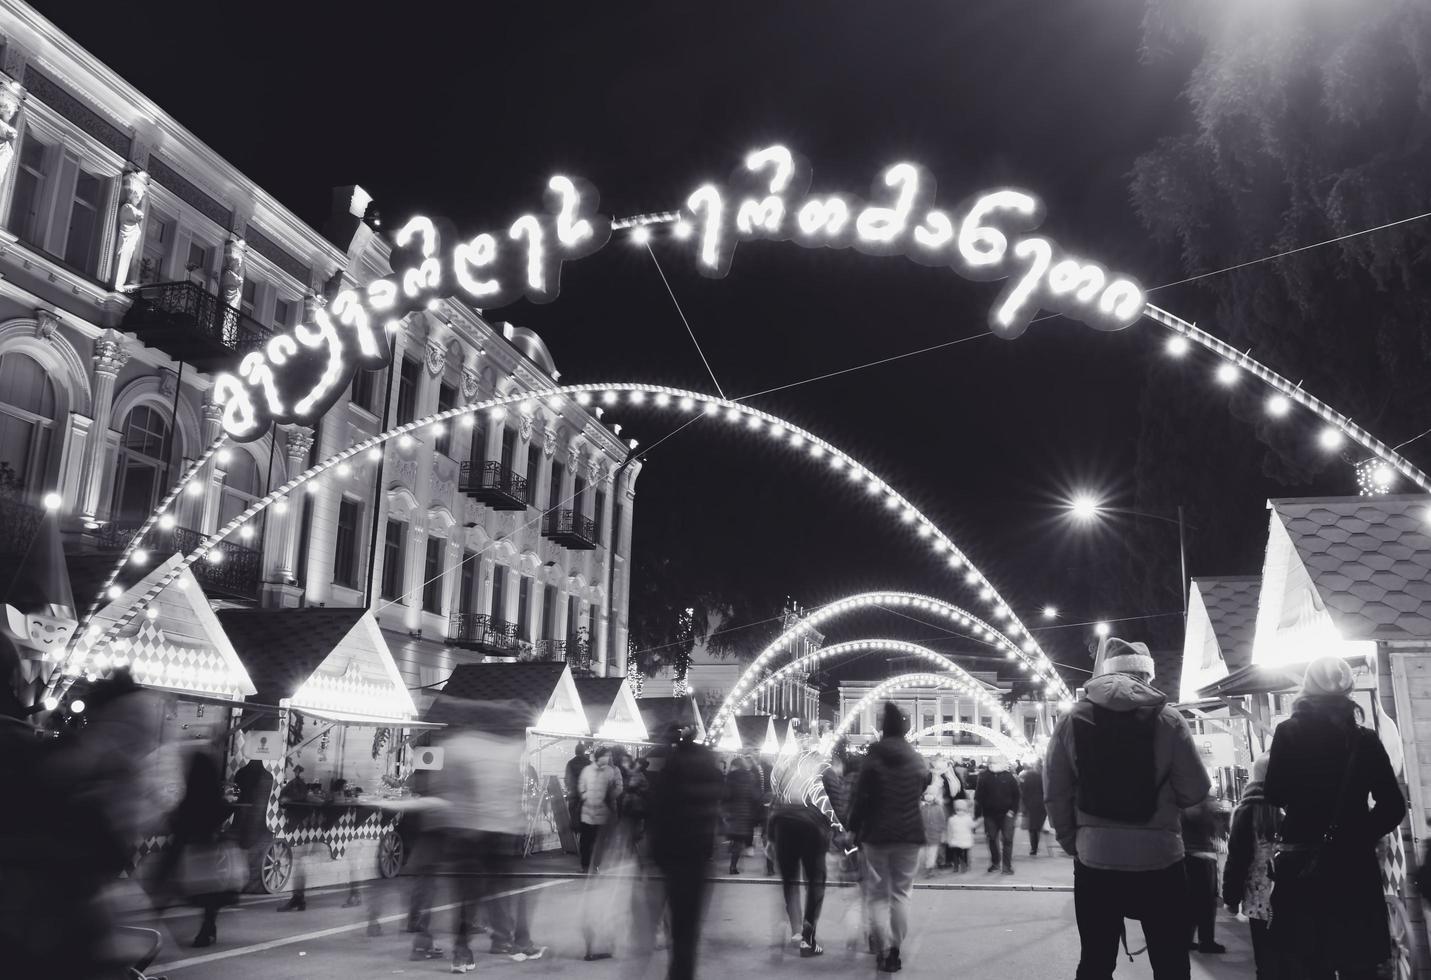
point(1120, 766)
point(1031, 792)
point(1247, 877)
point(959, 836)
point(685, 806)
point(599, 787)
point(886, 821)
point(996, 799)
point(210, 873)
point(741, 807)
point(572, 782)
point(635, 802)
point(1328, 910)
point(1199, 829)
point(931, 813)
point(803, 818)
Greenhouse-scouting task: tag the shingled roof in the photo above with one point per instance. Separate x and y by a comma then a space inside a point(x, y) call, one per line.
point(1231, 604)
point(597, 696)
point(521, 688)
point(1369, 559)
point(752, 729)
point(657, 713)
point(281, 648)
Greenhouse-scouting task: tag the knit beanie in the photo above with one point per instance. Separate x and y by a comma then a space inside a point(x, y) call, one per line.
point(1327, 677)
point(893, 724)
point(1259, 767)
point(1117, 656)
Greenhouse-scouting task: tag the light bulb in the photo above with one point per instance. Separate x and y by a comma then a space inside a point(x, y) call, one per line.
point(1278, 406)
point(246, 532)
point(194, 488)
point(166, 521)
point(1102, 629)
point(1330, 438)
point(224, 455)
point(682, 230)
point(344, 469)
point(52, 501)
point(1227, 374)
point(114, 592)
point(640, 235)
point(375, 454)
point(405, 441)
point(1050, 612)
point(139, 557)
point(1177, 346)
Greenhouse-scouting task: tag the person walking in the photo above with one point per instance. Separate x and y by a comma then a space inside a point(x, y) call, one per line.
point(195, 825)
point(803, 818)
point(574, 768)
point(931, 812)
point(886, 821)
point(1199, 829)
point(996, 799)
point(959, 836)
point(685, 809)
point(1328, 911)
point(742, 806)
point(1247, 878)
point(599, 788)
point(1031, 792)
point(1120, 766)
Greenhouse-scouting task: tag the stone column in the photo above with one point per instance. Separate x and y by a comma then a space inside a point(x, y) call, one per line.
point(110, 356)
point(129, 230)
point(286, 526)
point(211, 477)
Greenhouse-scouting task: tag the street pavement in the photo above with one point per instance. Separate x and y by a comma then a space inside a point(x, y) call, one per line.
point(971, 927)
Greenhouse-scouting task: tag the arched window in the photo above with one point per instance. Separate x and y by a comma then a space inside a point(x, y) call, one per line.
point(241, 486)
point(144, 454)
point(27, 418)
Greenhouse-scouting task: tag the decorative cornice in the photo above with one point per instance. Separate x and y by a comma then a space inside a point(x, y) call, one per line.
point(300, 440)
point(110, 356)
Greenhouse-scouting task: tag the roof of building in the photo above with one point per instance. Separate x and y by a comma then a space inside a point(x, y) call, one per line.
point(597, 696)
point(660, 712)
point(752, 729)
point(528, 684)
point(281, 648)
point(1370, 560)
point(1231, 603)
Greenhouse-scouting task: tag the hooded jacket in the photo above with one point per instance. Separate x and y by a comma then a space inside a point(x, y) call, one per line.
point(997, 792)
point(1109, 844)
point(888, 794)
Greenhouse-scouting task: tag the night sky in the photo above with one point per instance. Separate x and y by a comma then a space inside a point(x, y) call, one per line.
point(465, 112)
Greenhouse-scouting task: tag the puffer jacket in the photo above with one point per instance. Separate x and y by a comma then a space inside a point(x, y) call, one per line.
point(888, 794)
point(1109, 844)
point(600, 791)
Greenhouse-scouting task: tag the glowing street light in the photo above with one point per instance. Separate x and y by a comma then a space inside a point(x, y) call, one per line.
point(1102, 629)
point(1050, 612)
point(1084, 506)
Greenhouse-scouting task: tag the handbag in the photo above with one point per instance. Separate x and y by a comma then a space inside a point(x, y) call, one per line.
point(1315, 875)
point(212, 869)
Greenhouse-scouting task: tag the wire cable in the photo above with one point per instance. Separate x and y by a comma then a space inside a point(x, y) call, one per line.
point(670, 292)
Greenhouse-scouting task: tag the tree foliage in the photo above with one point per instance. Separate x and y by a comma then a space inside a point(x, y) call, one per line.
point(1310, 120)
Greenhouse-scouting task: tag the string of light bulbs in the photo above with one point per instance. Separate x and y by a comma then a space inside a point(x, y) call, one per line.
point(894, 685)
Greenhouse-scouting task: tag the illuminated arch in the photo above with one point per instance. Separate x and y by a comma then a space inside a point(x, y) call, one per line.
point(902, 682)
point(1014, 748)
point(885, 599)
point(731, 707)
point(659, 396)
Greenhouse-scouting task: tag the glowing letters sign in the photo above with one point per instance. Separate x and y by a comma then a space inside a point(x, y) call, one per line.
point(298, 375)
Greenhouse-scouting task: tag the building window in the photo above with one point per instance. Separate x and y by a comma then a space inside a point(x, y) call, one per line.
point(144, 453)
point(197, 265)
point(548, 612)
point(29, 193)
point(524, 596)
point(432, 575)
point(618, 513)
point(573, 619)
point(578, 496)
point(554, 491)
point(855, 725)
point(446, 398)
point(345, 548)
point(509, 448)
point(27, 418)
point(478, 453)
point(283, 318)
point(248, 296)
point(364, 390)
point(82, 236)
point(392, 559)
point(305, 531)
point(986, 721)
point(158, 235)
point(598, 517)
point(240, 486)
point(407, 390)
point(499, 593)
point(467, 597)
point(534, 473)
point(1030, 728)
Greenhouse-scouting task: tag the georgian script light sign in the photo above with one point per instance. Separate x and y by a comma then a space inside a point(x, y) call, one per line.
point(300, 373)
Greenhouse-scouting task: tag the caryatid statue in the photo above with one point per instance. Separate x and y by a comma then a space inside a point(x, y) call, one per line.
point(131, 225)
point(12, 94)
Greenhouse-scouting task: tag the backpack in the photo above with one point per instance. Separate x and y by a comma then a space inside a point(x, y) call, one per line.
point(1117, 777)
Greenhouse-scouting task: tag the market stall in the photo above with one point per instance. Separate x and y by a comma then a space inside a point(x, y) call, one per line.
point(658, 714)
point(612, 712)
point(328, 722)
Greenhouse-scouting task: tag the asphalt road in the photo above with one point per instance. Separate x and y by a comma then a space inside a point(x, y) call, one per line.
point(983, 927)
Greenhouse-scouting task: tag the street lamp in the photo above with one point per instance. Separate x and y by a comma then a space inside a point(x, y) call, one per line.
point(1050, 612)
point(1085, 508)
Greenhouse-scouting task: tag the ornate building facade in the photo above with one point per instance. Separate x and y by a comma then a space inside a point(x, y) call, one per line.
point(136, 264)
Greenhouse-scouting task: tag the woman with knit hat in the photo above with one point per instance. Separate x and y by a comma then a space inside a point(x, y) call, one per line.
point(1328, 912)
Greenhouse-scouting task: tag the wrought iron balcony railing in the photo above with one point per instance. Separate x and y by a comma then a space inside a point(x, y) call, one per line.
point(19, 523)
point(574, 652)
point(191, 324)
point(571, 529)
point(483, 633)
point(494, 485)
point(228, 571)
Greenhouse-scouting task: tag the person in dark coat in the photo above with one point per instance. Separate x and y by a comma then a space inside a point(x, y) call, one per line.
point(1200, 833)
point(684, 813)
point(742, 806)
point(1340, 926)
point(1031, 792)
point(196, 824)
point(886, 821)
point(996, 799)
point(574, 767)
point(1247, 877)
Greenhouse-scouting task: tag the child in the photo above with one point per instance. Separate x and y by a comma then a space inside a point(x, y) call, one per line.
point(959, 836)
point(931, 812)
point(1246, 881)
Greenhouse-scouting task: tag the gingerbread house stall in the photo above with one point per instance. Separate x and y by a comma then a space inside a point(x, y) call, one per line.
point(330, 720)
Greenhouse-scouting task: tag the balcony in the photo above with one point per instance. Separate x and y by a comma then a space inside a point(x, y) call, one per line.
point(19, 525)
point(192, 325)
point(575, 653)
point(570, 529)
point(229, 571)
point(483, 633)
point(494, 485)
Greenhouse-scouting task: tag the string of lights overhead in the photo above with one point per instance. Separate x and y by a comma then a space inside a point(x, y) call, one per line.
point(904, 682)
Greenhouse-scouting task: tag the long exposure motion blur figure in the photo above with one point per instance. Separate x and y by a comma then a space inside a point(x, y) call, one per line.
point(802, 820)
point(996, 799)
point(1247, 878)
point(886, 821)
point(599, 789)
point(1120, 766)
point(685, 809)
point(741, 809)
point(1328, 911)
